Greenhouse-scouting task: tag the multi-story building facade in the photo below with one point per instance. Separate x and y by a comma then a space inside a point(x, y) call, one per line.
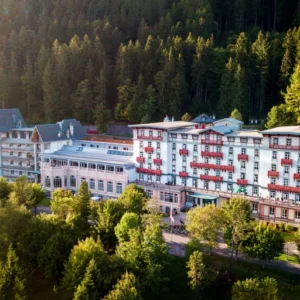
point(106, 166)
point(180, 164)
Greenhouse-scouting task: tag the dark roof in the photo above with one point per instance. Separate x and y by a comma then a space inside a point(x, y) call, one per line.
point(50, 132)
point(10, 119)
point(204, 119)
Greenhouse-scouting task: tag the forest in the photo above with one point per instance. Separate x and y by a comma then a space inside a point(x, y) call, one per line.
point(138, 60)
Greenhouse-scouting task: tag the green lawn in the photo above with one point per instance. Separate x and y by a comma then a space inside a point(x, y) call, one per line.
point(289, 258)
point(45, 202)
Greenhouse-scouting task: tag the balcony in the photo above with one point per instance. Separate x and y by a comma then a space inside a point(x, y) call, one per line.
point(273, 174)
point(211, 142)
point(183, 174)
point(242, 181)
point(211, 178)
point(211, 166)
point(282, 188)
point(296, 176)
point(140, 159)
point(148, 171)
point(183, 152)
point(285, 161)
point(152, 138)
point(149, 149)
point(211, 154)
point(243, 157)
point(157, 161)
point(285, 147)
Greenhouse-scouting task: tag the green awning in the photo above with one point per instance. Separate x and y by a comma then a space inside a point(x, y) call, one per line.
point(202, 196)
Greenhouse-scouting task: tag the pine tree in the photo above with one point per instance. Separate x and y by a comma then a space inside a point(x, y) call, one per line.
point(102, 118)
point(83, 198)
point(279, 116)
point(100, 89)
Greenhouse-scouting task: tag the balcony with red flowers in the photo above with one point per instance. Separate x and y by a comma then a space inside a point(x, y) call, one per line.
point(296, 176)
point(242, 181)
point(140, 159)
point(148, 137)
point(211, 154)
point(157, 161)
point(183, 174)
point(273, 174)
point(183, 152)
point(211, 142)
point(285, 161)
point(148, 171)
point(211, 166)
point(211, 178)
point(282, 188)
point(149, 149)
point(243, 157)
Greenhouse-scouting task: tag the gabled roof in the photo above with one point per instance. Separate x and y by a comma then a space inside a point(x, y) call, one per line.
point(50, 132)
point(204, 119)
point(230, 120)
point(283, 130)
point(10, 119)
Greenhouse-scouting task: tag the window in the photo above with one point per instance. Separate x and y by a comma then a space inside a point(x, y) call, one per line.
point(243, 164)
point(184, 158)
point(47, 181)
point(57, 182)
point(297, 197)
point(205, 171)
point(257, 141)
point(119, 170)
point(184, 146)
point(275, 141)
point(271, 211)
point(206, 185)
point(206, 137)
point(218, 149)
point(256, 153)
point(254, 207)
point(149, 166)
point(206, 148)
point(157, 178)
point(256, 166)
point(110, 168)
point(73, 163)
point(141, 131)
point(229, 187)
point(110, 187)
point(288, 142)
point(218, 161)
point(149, 144)
point(92, 166)
point(298, 170)
point(230, 151)
point(285, 196)
point(92, 184)
point(149, 155)
point(229, 175)
point(149, 194)
point(194, 183)
point(184, 136)
point(173, 146)
point(274, 168)
point(183, 181)
point(255, 190)
point(11, 153)
point(218, 173)
point(20, 173)
point(255, 178)
point(141, 144)
point(273, 180)
point(274, 155)
point(195, 148)
point(159, 133)
point(83, 179)
point(298, 183)
point(286, 169)
point(183, 169)
point(119, 188)
point(243, 151)
point(83, 165)
point(243, 176)
point(206, 160)
point(218, 185)
point(297, 214)
point(173, 170)
point(73, 181)
point(285, 182)
point(272, 194)
point(150, 133)
point(195, 171)
point(194, 158)
point(158, 146)
point(218, 138)
point(173, 135)
point(195, 137)
point(230, 139)
point(19, 154)
point(287, 155)
point(244, 140)
point(141, 177)
point(230, 162)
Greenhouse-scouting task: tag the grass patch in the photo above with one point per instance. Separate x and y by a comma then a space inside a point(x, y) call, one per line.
point(45, 202)
point(287, 258)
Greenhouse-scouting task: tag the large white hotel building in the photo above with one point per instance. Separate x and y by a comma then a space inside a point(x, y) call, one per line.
point(178, 163)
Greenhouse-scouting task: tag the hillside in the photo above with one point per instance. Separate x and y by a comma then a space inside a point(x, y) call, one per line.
point(143, 59)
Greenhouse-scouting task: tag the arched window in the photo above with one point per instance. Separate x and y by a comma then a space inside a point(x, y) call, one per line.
point(47, 181)
point(57, 182)
point(73, 181)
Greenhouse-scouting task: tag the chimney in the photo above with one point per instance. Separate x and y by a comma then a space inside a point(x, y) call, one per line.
point(173, 119)
point(166, 119)
point(214, 117)
point(68, 133)
point(72, 129)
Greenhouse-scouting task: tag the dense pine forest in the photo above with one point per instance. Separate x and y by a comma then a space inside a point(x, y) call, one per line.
point(142, 59)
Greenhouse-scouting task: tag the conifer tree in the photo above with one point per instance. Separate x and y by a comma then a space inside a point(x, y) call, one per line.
point(102, 118)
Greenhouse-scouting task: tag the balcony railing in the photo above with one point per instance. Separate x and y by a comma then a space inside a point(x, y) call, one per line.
point(282, 188)
point(211, 142)
point(183, 152)
point(211, 166)
point(140, 159)
point(285, 161)
point(148, 171)
point(157, 161)
point(183, 174)
point(211, 178)
point(212, 154)
point(149, 149)
point(296, 176)
point(273, 174)
point(242, 181)
point(148, 137)
point(285, 147)
point(243, 157)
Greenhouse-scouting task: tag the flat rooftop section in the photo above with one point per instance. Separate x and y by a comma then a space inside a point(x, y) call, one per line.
point(108, 140)
point(292, 130)
point(93, 155)
point(246, 133)
point(165, 125)
point(186, 131)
